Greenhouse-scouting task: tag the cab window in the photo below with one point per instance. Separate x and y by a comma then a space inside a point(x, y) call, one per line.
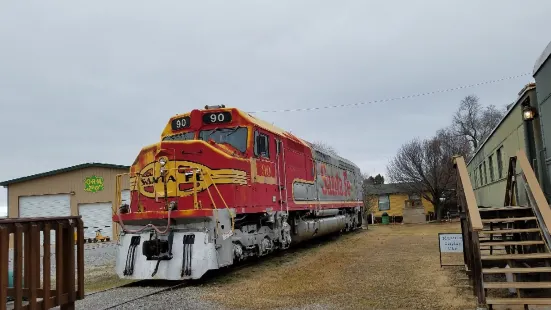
point(235, 136)
point(180, 136)
point(261, 145)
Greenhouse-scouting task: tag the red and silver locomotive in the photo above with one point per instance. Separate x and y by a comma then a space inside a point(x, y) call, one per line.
point(223, 185)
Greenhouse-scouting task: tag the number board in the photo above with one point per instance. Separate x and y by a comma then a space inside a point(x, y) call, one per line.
point(450, 243)
point(180, 123)
point(217, 117)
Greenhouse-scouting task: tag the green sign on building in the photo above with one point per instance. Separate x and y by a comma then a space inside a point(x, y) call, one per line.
point(93, 184)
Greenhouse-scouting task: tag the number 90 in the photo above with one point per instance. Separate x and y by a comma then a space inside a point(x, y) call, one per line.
point(217, 118)
point(181, 123)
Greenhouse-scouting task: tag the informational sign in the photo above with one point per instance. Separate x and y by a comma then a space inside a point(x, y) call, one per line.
point(93, 184)
point(450, 243)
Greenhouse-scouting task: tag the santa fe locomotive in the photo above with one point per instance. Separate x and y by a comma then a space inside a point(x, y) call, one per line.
point(222, 186)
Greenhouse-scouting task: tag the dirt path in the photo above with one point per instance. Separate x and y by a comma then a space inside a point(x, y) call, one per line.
point(385, 267)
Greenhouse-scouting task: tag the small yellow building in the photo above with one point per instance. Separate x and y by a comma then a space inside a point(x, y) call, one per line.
point(398, 201)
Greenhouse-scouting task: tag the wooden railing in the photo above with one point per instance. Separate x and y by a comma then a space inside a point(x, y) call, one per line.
point(471, 224)
point(536, 197)
point(32, 282)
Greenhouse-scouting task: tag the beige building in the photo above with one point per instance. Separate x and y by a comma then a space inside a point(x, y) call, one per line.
point(88, 190)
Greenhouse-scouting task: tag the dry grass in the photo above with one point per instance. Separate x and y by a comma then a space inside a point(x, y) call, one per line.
point(102, 278)
point(385, 267)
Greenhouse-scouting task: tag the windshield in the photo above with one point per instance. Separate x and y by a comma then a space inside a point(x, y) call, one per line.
point(180, 137)
point(236, 137)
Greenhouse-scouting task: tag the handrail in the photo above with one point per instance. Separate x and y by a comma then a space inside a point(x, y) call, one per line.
point(535, 194)
point(471, 224)
point(27, 273)
point(474, 214)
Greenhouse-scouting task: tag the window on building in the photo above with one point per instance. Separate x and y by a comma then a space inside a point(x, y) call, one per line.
point(491, 167)
point(414, 199)
point(384, 203)
point(499, 162)
point(485, 174)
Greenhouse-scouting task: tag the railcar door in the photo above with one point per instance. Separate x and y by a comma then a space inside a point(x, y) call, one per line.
point(263, 171)
point(281, 175)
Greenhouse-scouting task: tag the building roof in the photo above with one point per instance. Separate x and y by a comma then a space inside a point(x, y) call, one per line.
point(391, 188)
point(541, 60)
point(62, 170)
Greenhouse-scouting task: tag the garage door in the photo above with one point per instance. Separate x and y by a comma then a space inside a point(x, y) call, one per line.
point(97, 216)
point(45, 206)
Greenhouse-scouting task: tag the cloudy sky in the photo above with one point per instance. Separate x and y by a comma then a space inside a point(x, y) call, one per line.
point(94, 81)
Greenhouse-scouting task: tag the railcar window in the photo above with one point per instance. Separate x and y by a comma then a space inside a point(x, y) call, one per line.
point(236, 136)
point(499, 163)
point(480, 175)
point(485, 174)
point(491, 166)
point(180, 136)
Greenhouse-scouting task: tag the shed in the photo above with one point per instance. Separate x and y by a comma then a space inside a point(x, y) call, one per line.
point(88, 190)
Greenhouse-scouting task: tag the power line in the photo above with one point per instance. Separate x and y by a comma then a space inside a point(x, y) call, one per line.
point(396, 98)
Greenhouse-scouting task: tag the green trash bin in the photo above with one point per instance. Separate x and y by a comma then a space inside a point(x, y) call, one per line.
point(385, 218)
point(10, 283)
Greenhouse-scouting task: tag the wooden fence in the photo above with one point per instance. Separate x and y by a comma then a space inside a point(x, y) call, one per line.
point(30, 281)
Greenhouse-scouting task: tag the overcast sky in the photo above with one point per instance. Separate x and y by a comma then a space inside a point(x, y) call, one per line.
point(95, 81)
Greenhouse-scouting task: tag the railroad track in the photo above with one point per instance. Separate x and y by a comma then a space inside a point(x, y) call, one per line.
point(179, 284)
point(165, 285)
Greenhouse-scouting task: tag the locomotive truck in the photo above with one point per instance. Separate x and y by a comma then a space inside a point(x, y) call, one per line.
point(222, 185)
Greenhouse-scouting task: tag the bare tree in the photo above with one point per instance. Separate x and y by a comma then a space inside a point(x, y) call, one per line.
point(325, 147)
point(426, 167)
point(370, 200)
point(474, 121)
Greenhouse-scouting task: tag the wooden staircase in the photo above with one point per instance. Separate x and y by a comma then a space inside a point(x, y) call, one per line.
point(511, 243)
point(506, 248)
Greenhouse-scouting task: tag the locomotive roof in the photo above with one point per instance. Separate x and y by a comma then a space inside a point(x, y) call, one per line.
point(541, 60)
point(272, 128)
point(280, 131)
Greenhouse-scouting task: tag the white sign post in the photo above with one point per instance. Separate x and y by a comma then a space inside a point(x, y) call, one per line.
point(450, 243)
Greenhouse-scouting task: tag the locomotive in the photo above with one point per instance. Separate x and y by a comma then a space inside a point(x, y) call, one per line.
point(222, 186)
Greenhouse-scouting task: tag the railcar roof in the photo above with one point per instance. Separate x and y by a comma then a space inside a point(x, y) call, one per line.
point(524, 90)
point(541, 60)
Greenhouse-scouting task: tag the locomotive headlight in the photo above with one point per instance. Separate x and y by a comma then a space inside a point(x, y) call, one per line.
point(162, 161)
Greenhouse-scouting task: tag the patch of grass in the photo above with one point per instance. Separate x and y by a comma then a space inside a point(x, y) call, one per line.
point(385, 267)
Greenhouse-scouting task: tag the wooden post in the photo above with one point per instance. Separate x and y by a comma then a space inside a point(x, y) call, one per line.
point(46, 269)
point(4, 262)
point(477, 271)
point(68, 246)
point(18, 266)
point(80, 258)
